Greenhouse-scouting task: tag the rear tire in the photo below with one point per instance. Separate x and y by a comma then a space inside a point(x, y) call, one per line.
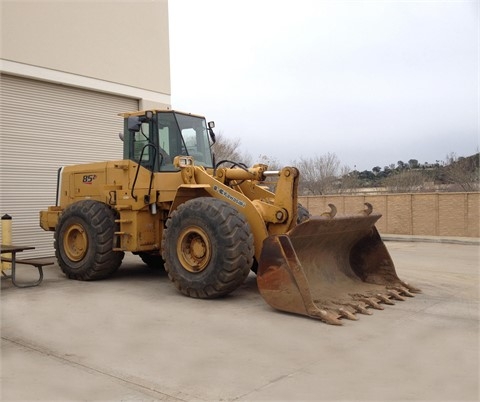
point(84, 241)
point(302, 214)
point(208, 248)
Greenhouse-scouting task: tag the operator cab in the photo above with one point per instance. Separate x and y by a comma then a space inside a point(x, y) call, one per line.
point(154, 138)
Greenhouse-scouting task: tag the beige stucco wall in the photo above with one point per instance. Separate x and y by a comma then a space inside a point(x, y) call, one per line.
point(431, 214)
point(124, 42)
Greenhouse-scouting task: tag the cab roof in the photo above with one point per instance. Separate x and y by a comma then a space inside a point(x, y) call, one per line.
point(155, 111)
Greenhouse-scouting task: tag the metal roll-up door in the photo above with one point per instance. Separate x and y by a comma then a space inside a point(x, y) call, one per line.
point(44, 126)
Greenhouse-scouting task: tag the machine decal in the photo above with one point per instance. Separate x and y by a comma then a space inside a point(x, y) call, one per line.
point(89, 178)
point(229, 196)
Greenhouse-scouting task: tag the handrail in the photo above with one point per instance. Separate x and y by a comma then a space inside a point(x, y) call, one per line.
point(138, 168)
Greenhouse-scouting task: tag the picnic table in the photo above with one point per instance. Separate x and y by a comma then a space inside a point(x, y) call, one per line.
point(13, 250)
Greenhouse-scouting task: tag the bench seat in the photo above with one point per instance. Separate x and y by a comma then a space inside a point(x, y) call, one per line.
point(43, 261)
point(38, 263)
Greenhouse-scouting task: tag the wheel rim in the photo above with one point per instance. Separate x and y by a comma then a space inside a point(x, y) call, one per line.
point(194, 249)
point(75, 242)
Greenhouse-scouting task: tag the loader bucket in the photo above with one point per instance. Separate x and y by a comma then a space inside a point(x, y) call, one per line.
point(330, 268)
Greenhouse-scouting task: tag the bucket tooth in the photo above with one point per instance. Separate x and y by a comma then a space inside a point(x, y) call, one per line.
point(325, 316)
point(403, 291)
point(360, 309)
point(346, 314)
point(370, 301)
point(395, 295)
point(384, 299)
point(411, 288)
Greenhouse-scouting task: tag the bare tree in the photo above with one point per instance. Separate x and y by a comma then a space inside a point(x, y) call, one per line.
point(271, 162)
point(464, 173)
point(229, 149)
point(405, 181)
point(350, 180)
point(319, 174)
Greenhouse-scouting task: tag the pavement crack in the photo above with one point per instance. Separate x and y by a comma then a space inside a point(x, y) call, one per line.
point(66, 359)
point(268, 384)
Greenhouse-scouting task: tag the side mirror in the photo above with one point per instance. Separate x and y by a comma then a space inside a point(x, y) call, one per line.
point(211, 125)
point(134, 123)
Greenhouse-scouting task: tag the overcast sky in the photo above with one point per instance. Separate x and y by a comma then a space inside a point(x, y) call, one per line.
point(374, 82)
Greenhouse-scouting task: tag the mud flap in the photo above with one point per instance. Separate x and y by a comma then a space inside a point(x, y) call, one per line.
point(330, 268)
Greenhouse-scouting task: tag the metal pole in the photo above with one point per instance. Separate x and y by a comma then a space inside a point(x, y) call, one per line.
point(6, 238)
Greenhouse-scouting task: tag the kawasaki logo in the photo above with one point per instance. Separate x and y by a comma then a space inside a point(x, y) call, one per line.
point(229, 196)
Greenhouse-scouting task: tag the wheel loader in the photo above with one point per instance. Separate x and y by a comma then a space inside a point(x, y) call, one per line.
point(209, 224)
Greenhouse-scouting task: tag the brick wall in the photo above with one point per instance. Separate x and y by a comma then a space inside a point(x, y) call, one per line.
point(431, 214)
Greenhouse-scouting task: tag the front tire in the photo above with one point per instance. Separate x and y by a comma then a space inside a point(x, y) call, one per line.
point(84, 241)
point(208, 248)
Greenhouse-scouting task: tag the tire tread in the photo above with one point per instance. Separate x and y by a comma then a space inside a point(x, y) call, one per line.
point(237, 253)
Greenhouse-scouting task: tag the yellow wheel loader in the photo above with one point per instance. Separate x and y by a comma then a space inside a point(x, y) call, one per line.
point(209, 224)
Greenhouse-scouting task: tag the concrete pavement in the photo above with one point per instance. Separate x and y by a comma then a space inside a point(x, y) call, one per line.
point(134, 337)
